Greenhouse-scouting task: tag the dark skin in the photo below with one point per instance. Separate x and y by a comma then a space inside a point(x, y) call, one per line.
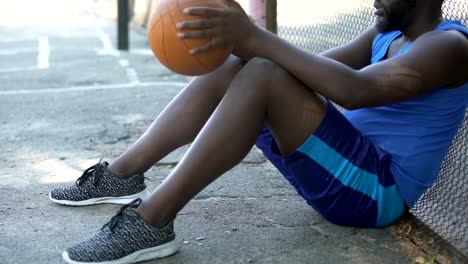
point(223, 112)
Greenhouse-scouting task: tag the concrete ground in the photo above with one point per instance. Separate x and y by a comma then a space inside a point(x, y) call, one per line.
point(68, 98)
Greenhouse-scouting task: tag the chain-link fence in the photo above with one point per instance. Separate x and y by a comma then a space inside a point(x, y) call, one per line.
point(444, 208)
point(332, 30)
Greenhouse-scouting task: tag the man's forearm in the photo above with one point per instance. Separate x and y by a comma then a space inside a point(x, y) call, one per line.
point(325, 76)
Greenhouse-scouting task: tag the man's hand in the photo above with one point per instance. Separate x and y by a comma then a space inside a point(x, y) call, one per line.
point(229, 28)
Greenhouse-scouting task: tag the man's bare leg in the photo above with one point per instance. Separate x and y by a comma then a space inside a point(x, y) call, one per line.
point(261, 92)
point(179, 122)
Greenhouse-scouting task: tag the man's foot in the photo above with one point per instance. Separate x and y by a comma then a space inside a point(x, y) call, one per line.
point(97, 185)
point(127, 238)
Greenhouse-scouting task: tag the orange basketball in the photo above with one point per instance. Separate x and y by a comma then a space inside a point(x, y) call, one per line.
point(174, 52)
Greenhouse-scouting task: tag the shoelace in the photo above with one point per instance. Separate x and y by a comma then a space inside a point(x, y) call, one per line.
point(95, 170)
point(113, 222)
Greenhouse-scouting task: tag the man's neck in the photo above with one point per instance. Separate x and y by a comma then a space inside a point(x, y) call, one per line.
point(423, 23)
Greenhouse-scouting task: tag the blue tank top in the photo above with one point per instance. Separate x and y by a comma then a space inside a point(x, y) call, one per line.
point(417, 133)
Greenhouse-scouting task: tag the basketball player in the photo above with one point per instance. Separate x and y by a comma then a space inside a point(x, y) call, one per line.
point(404, 85)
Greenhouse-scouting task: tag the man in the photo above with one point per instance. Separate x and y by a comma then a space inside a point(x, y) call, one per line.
point(404, 82)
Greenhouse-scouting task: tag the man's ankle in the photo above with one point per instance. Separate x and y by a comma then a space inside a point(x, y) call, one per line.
point(118, 173)
point(150, 219)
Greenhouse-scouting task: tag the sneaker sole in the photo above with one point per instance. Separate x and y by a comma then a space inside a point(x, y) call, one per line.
point(160, 251)
point(113, 200)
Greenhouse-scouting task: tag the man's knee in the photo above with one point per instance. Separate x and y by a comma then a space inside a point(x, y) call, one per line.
point(229, 69)
point(262, 70)
point(219, 80)
point(265, 67)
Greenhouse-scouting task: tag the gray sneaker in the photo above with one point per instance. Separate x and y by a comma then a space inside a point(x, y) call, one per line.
point(127, 238)
point(97, 185)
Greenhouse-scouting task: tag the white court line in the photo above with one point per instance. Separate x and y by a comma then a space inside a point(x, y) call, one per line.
point(147, 52)
point(132, 74)
point(19, 69)
point(123, 63)
point(105, 40)
point(107, 46)
point(44, 52)
point(142, 52)
point(93, 87)
point(17, 51)
point(115, 52)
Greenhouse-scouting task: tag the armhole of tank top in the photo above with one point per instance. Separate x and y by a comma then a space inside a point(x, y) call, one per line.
point(387, 41)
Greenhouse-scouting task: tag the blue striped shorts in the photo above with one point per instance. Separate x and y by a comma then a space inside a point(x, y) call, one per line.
point(340, 173)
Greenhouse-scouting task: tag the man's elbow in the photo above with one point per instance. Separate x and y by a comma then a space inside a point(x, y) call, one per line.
point(356, 93)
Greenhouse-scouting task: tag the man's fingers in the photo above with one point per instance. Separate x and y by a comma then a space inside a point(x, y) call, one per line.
point(204, 11)
point(206, 33)
point(215, 43)
point(197, 24)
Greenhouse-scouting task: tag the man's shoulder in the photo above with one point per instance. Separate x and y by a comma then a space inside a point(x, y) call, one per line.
point(446, 39)
point(445, 35)
point(441, 57)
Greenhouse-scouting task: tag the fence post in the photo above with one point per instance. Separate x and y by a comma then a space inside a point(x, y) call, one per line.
point(264, 13)
point(122, 24)
point(271, 16)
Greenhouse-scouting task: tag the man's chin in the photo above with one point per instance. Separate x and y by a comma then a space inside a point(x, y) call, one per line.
point(383, 26)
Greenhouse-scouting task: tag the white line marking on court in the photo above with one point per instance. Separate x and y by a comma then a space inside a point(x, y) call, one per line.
point(106, 42)
point(44, 52)
point(123, 63)
point(19, 69)
point(112, 52)
point(148, 52)
point(115, 52)
point(10, 39)
point(145, 52)
point(132, 74)
point(17, 51)
point(93, 87)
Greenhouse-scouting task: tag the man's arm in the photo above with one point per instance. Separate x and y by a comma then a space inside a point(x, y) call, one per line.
point(357, 53)
point(436, 59)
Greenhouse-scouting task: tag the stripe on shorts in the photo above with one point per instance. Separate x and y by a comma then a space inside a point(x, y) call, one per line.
point(350, 175)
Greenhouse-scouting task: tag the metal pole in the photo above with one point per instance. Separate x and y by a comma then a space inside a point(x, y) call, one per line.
point(271, 16)
point(264, 13)
point(122, 24)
